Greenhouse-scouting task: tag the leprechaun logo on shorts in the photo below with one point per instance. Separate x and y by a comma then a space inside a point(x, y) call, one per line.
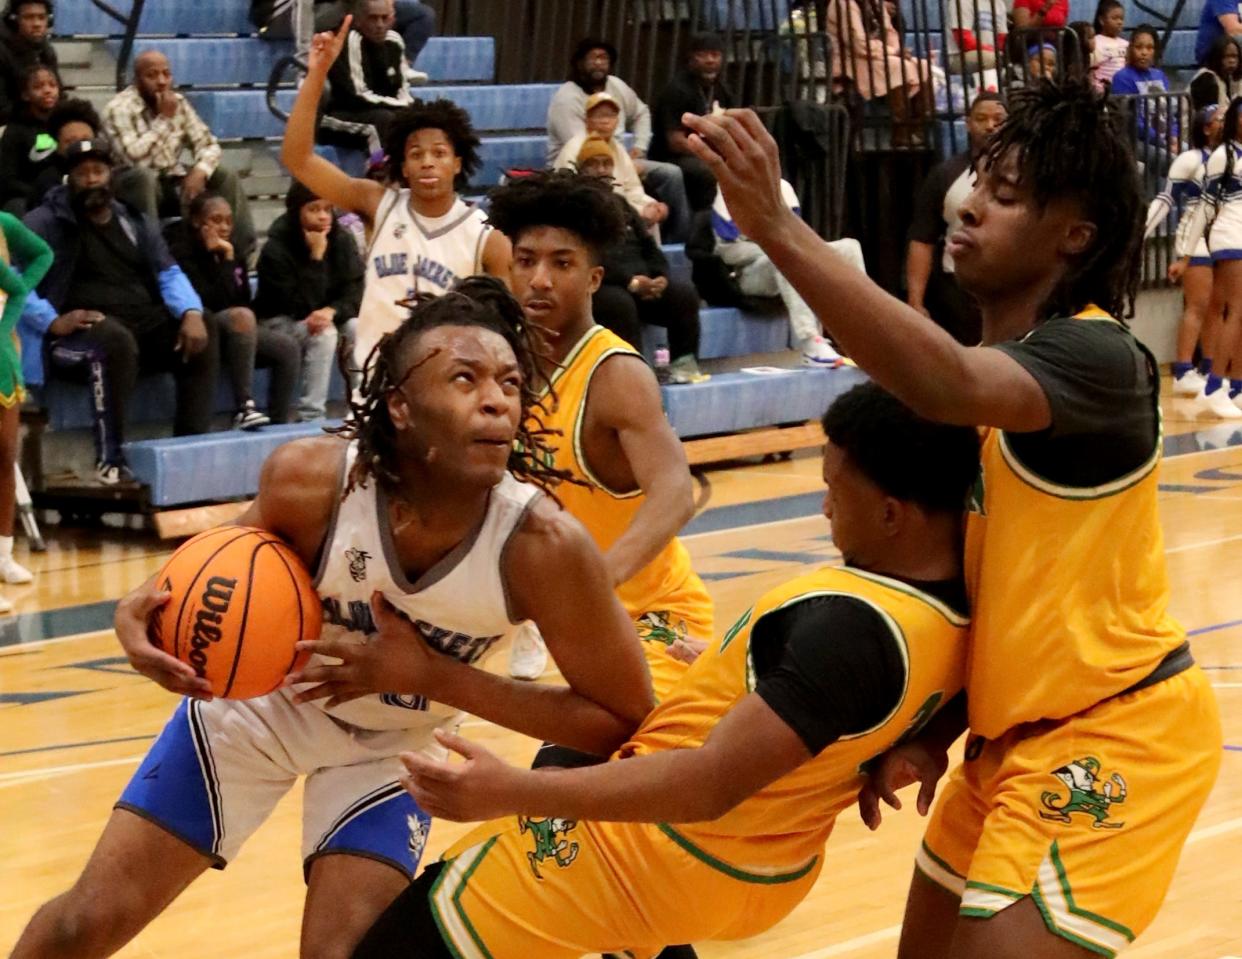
point(658, 626)
point(550, 842)
point(1087, 794)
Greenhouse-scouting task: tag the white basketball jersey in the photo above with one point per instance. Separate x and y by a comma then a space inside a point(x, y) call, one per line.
point(459, 606)
point(412, 254)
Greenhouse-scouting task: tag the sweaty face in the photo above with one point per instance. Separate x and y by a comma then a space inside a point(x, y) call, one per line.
point(32, 22)
point(984, 120)
point(602, 121)
point(219, 216)
point(854, 506)
point(1006, 242)
point(152, 76)
point(431, 163)
point(1142, 51)
point(706, 64)
point(42, 91)
point(375, 19)
point(459, 410)
point(316, 216)
point(553, 277)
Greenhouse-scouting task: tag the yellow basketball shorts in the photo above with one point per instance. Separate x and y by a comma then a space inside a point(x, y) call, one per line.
point(519, 888)
point(1086, 815)
point(688, 614)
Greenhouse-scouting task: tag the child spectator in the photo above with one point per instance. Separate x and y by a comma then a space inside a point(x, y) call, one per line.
point(1219, 80)
point(603, 113)
point(637, 288)
point(757, 276)
point(1041, 63)
point(1109, 54)
point(310, 287)
point(28, 149)
point(24, 259)
point(203, 246)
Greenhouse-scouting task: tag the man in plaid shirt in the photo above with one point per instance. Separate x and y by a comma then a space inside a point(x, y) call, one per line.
point(153, 127)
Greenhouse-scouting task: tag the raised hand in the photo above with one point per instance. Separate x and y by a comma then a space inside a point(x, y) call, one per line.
point(327, 46)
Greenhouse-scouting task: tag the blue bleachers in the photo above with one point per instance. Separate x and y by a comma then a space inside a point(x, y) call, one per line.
point(83, 18)
point(219, 61)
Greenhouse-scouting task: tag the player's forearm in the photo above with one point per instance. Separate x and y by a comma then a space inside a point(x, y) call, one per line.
point(918, 271)
point(675, 786)
point(894, 344)
point(299, 145)
point(943, 730)
point(555, 714)
point(666, 510)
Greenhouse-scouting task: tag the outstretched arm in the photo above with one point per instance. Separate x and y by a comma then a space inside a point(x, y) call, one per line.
point(750, 748)
point(902, 350)
point(298, 153)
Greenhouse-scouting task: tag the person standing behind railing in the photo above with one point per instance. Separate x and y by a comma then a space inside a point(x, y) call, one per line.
point(1109, 55)
point(1219, 80)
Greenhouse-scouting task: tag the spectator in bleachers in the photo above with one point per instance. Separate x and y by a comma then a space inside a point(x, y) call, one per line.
point(603, 114)
point(371, 81)
point(310, 288)
point(424, 235)
point(1157, 124)
point(28, 148)
point(696, 88)
point(24, 261)
point(150, 126)
point(978, 27)
point(931, 287)
point(1041, 63)
point(590, 73)
point(758, 276)
point(1109, 54)
point(1219, 18)
point(116, 304)
point(637, 288)
point(75, 120)
point(1219, 80)
point(202, 245)
point(25, 42)
point(870, 58)
point(415, 21)
point(1033, 14)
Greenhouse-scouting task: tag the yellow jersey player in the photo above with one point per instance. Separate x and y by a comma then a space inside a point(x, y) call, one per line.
point(633, 490)
point(731, 786)
point(1096, 738)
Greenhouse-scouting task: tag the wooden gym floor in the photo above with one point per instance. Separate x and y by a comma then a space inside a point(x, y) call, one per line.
point(75, 720)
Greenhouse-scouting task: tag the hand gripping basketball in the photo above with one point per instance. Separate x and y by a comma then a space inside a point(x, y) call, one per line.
point(132, 622)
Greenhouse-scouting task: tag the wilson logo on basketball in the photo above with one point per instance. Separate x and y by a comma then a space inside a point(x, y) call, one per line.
point(215, 601)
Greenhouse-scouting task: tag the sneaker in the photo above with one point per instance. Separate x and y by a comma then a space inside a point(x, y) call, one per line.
point(11, 571)
point(685, 369)
point(1217, 404)
point(528, 656)
point(249, 418)
point(1189, 384)
point(816, 351)
point(114, 474)
point(418, 78)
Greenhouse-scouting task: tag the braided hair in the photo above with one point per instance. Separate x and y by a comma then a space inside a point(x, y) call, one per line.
point(478, 301)
point(1069, 144)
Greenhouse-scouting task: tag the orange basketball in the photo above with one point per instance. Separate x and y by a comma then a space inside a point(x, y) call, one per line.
point(240, 599)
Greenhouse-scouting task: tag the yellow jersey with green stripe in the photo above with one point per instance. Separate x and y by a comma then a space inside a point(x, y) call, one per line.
point(607, 514)
point(1068, 586)
point(781, 829)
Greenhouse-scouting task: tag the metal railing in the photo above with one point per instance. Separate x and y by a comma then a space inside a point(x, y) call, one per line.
point(130, 21)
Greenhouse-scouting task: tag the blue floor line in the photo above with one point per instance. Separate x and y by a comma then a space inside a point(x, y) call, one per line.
point(88, 742)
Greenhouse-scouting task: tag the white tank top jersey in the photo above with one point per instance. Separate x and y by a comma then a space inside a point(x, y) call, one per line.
point(459, 606)
point(411, 254)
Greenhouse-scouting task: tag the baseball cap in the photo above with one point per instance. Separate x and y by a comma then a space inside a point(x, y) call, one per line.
point(596, 99)
point(81, 150)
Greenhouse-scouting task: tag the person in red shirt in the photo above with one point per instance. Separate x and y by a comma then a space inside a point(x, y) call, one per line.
point(1040, 13)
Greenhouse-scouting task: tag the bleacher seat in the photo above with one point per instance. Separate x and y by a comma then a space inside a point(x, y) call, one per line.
point(169, 17)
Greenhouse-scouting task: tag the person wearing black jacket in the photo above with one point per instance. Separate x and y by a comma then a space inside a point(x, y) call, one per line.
point(28, 148)
point(25, 42)
point(310, 287)
point(202, 245)
point(637, 288)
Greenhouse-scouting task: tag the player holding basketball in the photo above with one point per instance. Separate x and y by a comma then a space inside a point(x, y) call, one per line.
point(1096, 738)
point(635, 490)
point(426, 549)
point(423, 236)
point(711, 822)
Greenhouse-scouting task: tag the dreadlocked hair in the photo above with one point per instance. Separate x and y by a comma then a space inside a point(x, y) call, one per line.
point(444, 115)
point(1068, 144)
point(585, 206)
point(478, 301)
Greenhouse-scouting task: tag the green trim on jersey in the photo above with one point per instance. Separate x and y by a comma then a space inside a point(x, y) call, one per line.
point(767, 879)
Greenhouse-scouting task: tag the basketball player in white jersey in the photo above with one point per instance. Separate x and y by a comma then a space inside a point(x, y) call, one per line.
point(426, 549)
point(422, 235)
